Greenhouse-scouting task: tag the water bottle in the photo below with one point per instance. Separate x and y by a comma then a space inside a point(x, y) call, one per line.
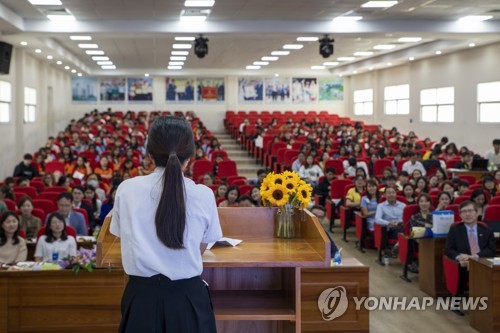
point(337, 259)
point(55, 256)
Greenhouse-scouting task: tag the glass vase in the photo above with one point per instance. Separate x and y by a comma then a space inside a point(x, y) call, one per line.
point(286, 224)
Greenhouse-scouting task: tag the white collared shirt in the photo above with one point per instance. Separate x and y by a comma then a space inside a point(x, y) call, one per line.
point(143, 254)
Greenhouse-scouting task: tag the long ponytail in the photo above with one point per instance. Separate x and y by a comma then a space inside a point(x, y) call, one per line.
point(171, 143)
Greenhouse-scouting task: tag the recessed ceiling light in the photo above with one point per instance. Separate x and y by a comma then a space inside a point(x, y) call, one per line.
point(100, 58)
point(355, 72)
point(23, 43)
point(146, 74)
point(341, 75)
point(370, 69)
point(475, 18)
point(101, 63)
point(180, 53)
point(409, 39)
point(347, 18)
point(88, 46)
point(384, 47)
point(346, 59)
point(61, 17)
point(174, 67)
point(411, 58)
point(438, 52)
point(379, 4)
point(66, 67)
point(109, 67)
point(176, 63)
point(261, 63)
point(80, 37)
point(318, 67)
point(181, 46)
point(389, 64)
point(199, 3)
point(94, 52)
point(193, 18)
point(59, 62)
point(38, 51)
point(331, 63)
point(79, 74)
point(177, 58)
point(50, 57)
point(307, 39)
point(253, 67)
point(184, 38)
point(472, 45)
point(363, 54)
point(269, 58)
point(73, 71)
point(292, 46)
point(276, 75)
point(46, 2)
point(280, 53)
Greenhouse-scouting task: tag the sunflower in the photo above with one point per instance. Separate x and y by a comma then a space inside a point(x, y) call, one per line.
point(266, 184)
point(277, 195)
point(304, 193)
point(279, 179)
point(291, 185)
point(291, 175)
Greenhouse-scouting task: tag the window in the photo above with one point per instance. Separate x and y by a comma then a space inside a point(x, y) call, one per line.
point(397, 99)
point(29, 105)
point(363, 102)
point(488, 101)
point(5, 99)
point(437, 105)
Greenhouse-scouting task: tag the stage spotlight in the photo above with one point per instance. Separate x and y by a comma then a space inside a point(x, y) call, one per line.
point(201, 46)
point(326, 46)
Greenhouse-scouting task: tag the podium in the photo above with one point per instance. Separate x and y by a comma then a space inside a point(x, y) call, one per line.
point(267, 284)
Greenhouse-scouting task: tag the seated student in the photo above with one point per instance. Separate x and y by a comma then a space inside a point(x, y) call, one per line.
point(369, 203)
point(421, 185)
point(128, 167)
point(320, 213)
point(81, 169)
point(496, 177)
point(12, 247)
point(108, 205)
point(390, 212)
point(221, 191)
point(444, 199)
point(23, 181)
point(48, 180)
point(441, 175)
point(72, 218)
point(245, 201)
point(390, 182)
point(104, 170)
point(232, 195)
point(403, 179)
point(218, 158)
point(479, 198)
point(29, 223)
point(301, 157)
point(413, 164)
point(386, 173)
point(448, 187)
point(409, 194)
point(489, 185)
point(78, 193)
point(462, 187)
point(469, 240)
point(323, 188)
point(397, 157)
point(351, 166)
point(353, 195)
point(208, 179)
point(26, 168)
point(310, 171)
point(465, 161)
point(55, 240)
point(423, 218)
point(94, 180)
point(261, 175)
point(256, 198)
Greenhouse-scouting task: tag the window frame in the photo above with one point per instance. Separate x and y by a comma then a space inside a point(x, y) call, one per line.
point(30, 106)
point(494, 101)
point(364, 102)
point(398, 100)
point(6, 101)
point(437, 105)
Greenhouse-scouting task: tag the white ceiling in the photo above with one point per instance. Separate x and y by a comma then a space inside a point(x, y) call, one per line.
point(138, 35)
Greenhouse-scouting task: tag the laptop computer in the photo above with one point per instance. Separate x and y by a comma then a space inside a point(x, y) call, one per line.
point(479, 164)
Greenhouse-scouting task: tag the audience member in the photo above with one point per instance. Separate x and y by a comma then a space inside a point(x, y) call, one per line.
point(26, 168)
point(108, 205)
point(310, 172)
point(255, 195)
point(390, 212)
point(56, 243)
point(444, 200)
point(413, 164)
point(28, 222)
point(72, 218)
point(409, 194)
point(297, 164)
point(369, 203)
point(12, 246)
point(479, 198)
point(493, 156)
point(245, 201)
point(232, 195)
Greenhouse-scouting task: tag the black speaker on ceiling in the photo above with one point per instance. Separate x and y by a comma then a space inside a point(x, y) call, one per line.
point(5, 54)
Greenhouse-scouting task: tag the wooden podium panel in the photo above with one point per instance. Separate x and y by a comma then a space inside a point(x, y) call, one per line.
point(430, 260)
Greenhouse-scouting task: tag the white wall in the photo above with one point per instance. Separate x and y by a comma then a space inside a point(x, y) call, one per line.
point(18, 138)
point(463, 70)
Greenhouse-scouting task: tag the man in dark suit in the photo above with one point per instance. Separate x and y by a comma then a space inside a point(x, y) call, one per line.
point(469, 241)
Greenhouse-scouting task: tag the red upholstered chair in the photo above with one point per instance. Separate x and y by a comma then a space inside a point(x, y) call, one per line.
point(227, 168)
point(22, 233)
point(46, 205)
point(53, 166)
point(336, 192)
point(380, 165)
point(289, 158)
point(201, 167)
point(11, 205)
point(361, 230)
point(452, 275)
point(345, 214)
point(245, 189)
point(495, 200)
point(70, 231)
point(407, 246)
point(492, 214)
point(52, 196)
point(460, 199)
point(36, 212)
point(238, 182)
point(470, 179)
point(56, 189)
point(29, 190)
point(230, 180)
point(218, 201)
point(337, 165)
point(85, 215)
point(38, 185)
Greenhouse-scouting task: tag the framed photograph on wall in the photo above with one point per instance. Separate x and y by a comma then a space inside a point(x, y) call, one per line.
point(112, 89)
point(250, 89)
point(331, 89)
point(277, 90)
point(210, 89)
point(304, 90)
point(179, 89)
point(84, 89)
point(140, 89)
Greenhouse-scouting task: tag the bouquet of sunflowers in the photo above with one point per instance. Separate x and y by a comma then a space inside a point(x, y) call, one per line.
point(286, 191)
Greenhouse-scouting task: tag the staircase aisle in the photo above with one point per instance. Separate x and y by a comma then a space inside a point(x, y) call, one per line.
point(246, 165)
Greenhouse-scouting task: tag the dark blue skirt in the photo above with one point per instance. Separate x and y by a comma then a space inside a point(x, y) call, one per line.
point(160, 305)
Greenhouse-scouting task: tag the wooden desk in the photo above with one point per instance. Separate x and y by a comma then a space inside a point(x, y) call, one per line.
point(484, 281)
point(430, 261)
point(476, 173)
point(32, 247)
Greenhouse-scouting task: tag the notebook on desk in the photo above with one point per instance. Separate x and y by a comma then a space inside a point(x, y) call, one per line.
point(479, 164)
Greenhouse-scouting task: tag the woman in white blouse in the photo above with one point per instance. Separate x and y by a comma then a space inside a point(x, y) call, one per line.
point(310, 172)
point(164, 222)
point(55, 244)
